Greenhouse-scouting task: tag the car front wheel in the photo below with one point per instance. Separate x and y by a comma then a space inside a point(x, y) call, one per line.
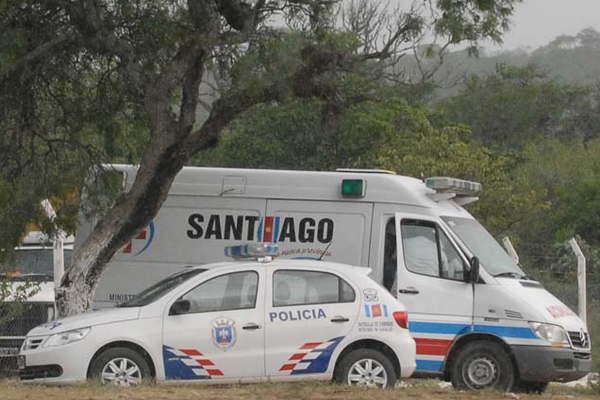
point(120, 366)
point(366, 367)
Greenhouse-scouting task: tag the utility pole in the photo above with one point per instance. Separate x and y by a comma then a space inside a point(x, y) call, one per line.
point(581, 281)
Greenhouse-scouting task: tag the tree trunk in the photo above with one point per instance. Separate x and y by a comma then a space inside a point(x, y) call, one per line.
point(170, 149)
point(132, 212)
point(164, 157)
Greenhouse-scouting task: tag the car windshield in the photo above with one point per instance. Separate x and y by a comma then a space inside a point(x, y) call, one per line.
point(161, 288)
point(479, 242)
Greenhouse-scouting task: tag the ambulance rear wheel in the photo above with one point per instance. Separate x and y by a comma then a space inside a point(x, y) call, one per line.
point(120, 366)
point(482, 364)
point(365, 367)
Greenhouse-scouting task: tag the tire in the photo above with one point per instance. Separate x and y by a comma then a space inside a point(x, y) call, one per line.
point(482, 364)
point(531, 387)
point(120, 366)
point(380, 374)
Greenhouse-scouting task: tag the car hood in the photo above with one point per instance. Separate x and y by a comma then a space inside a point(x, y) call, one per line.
point(90, 318)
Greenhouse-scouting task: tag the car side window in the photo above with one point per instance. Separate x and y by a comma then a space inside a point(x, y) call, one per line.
point(234, 291)
point(297, 287)
point(428, 251)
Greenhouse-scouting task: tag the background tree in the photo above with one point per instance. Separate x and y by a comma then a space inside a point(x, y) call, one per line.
point(514, 106)
point(385, 133)
point(140, 66)
point(569, 59)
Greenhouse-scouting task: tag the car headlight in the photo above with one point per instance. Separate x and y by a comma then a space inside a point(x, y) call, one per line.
point(554, 334)
point(60, 339)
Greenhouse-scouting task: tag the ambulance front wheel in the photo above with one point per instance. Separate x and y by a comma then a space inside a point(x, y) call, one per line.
point(365, 367)
point(482, 364)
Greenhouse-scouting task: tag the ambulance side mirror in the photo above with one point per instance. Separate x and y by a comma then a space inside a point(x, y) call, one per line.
point(474, 270)
point(181, 306)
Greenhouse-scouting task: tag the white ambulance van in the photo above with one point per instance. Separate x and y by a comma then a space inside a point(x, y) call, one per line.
point(476, 317)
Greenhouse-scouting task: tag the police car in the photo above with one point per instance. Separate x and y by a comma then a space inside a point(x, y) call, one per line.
point(238, 321)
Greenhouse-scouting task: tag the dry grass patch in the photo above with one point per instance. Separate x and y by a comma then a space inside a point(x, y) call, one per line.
point(426, 390)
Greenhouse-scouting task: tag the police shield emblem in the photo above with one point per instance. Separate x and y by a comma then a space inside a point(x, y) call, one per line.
point(223, 333)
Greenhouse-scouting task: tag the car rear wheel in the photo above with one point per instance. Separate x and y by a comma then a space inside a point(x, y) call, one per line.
point(120, 366)
point(482, 365)
point(366, 367)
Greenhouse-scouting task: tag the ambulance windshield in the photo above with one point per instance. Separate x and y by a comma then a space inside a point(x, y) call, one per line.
point(160, 288)
point(479, 242)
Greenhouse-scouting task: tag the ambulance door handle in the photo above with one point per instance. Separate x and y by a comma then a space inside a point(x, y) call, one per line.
point(408, 290)
point(251, 326)
point(340, 319)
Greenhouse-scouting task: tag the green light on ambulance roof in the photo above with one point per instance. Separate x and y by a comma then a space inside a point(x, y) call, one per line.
point(353, 188)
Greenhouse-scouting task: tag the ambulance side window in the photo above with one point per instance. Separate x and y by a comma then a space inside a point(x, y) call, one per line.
point(428, 251)
point(390, 264)
point(452, 266)
point(295, 287)
point(235, 291)
point(419, 240)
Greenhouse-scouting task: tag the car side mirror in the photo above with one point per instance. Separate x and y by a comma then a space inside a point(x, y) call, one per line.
point(181, 306)
point(474, 271)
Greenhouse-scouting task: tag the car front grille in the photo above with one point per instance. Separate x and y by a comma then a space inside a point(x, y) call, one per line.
point(579, 339)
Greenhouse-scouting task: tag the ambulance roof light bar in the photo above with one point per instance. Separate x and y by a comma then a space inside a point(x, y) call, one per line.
point(463, 192)
point(262, 252)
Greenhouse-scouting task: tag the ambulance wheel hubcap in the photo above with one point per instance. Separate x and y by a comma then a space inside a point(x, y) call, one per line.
point(121, 372)
point(482, 372)
point(367, 372)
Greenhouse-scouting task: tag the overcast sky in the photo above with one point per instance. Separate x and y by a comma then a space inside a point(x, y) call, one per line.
point(537, 22)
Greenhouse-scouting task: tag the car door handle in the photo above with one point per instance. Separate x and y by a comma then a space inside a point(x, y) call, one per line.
point(251, 326)
point(408, 290)
point(339, 319)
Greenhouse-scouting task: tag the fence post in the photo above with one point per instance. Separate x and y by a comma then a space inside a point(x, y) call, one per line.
point(510, 249)
point(581, 281)
point(58, 254)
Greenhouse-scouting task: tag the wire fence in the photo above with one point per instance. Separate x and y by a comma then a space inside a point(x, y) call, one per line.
point(15, 321)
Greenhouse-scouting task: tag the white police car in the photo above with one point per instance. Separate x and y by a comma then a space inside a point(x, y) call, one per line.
point(232, 322)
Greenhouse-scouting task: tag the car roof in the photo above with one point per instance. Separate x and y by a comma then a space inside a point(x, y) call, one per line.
point(296, 264)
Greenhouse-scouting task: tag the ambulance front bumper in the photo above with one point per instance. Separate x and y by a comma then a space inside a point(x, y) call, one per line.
point(547, 364)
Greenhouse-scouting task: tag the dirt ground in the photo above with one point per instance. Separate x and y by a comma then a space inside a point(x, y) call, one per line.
point(426, 390)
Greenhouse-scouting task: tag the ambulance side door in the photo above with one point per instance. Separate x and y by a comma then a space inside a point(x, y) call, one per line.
point(307, 314)
point(431, 284)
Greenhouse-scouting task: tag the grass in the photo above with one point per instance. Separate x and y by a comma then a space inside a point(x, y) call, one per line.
point(417, 389)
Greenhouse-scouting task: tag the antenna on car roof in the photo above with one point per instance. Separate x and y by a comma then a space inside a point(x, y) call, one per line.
point(324, 251)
